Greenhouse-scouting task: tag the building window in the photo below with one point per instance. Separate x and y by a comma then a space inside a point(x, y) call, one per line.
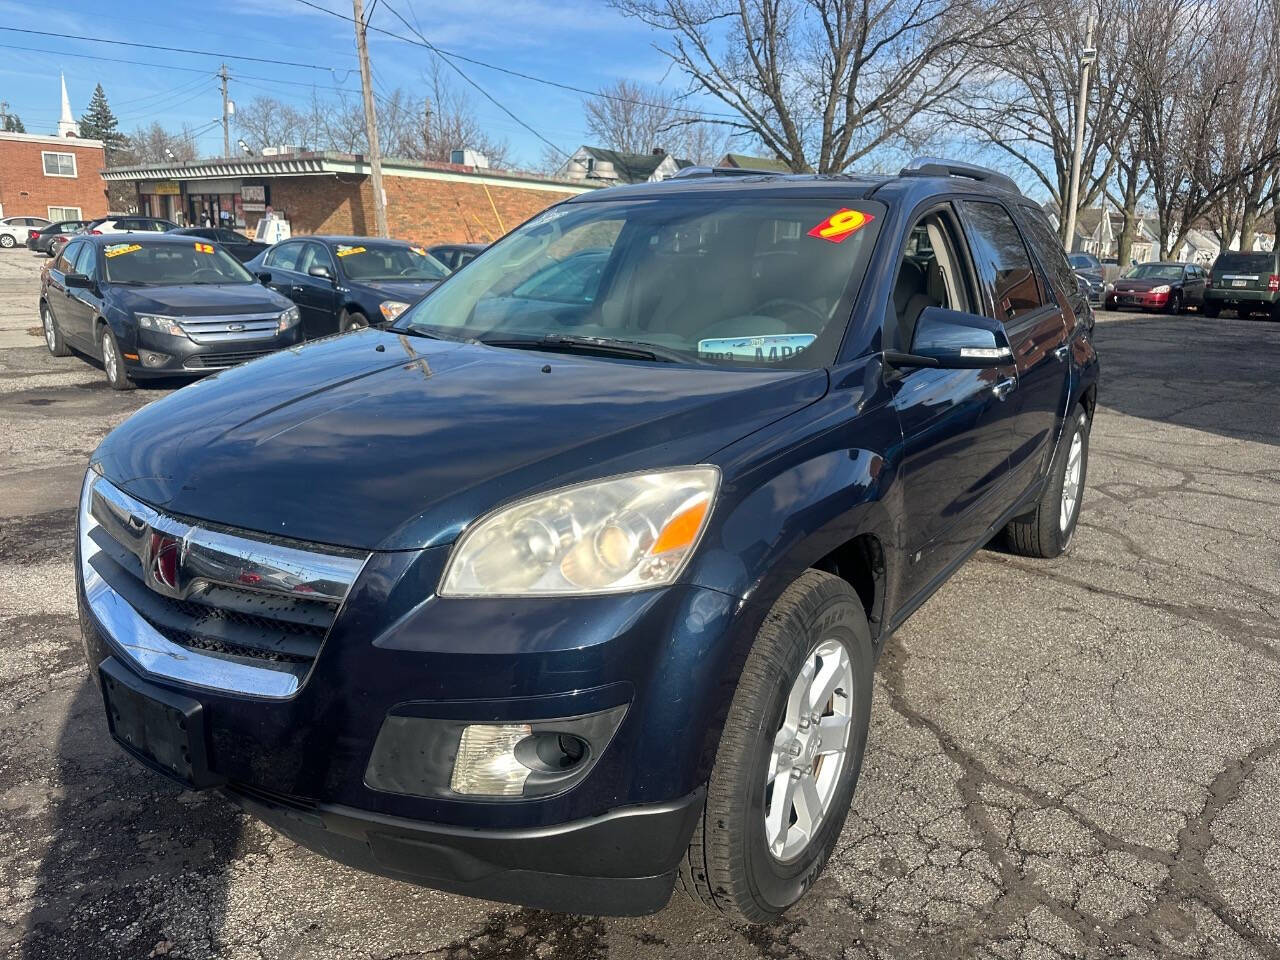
point(59, 164)
point(64, 213)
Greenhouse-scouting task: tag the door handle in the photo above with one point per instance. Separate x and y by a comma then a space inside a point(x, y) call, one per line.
point(296, 288)
point(1004, 387)
point(1062, 353)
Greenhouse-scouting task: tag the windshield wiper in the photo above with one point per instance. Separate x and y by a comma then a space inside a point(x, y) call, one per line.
point(602, 346)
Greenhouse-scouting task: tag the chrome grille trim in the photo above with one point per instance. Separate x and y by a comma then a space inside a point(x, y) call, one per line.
point(204, 558)
point(230, 329)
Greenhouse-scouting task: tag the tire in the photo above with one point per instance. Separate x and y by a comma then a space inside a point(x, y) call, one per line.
point(115, 371)
point(353, 320)
point(1176, 304)
point(1211, 309)
point(729, 866)
point(1274, 313)
point(1046, 531)
point(7, 241)
point(52, 335)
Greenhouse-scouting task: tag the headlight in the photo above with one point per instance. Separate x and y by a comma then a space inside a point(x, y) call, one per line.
point(607, 536)
point(169, 325)
point(288, 318)
point(392, 308)
point(1163, 288)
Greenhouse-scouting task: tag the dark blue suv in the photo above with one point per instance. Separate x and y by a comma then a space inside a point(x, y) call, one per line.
point(569, 587)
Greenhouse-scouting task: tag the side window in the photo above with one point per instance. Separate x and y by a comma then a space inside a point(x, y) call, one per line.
point(67, 257)
point(230, 236)
point(315, 255)
point(463, 257)
point(87, 262)
point(1000, 252)
point(1049, 248)
point(931, 274)
point(285, 256)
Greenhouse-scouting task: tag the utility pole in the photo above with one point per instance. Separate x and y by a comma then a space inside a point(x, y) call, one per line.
point(1087, 57)
point(370, 120)
point(226, 115)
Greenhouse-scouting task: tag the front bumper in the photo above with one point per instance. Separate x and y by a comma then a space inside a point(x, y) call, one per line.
point(1137, 298)
point(610, 843)
point(184, 357)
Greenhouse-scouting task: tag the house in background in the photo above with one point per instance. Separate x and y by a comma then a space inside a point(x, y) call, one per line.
point(600, 167)
point(742, 161)
point(57, 177)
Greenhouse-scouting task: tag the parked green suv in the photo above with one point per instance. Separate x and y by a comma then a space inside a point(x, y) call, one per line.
point(1245, 282)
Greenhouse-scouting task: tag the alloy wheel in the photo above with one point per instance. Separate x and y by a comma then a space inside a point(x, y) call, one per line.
point(50, 335)
point(110, 361)
point(1071, 482)
point(809, 751)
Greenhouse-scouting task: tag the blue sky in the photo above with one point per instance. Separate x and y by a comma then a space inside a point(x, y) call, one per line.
point(573, 41)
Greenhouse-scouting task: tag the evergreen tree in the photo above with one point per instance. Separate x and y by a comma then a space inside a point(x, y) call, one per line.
point(13, 124)
point(99, 123)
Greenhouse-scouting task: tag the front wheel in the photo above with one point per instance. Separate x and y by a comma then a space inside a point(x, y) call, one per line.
point(789, 755)
point(113, 362)
point(7, 241)
point(52, 335)
point(1046, 531)
point(1176, 304)
point(353, 320)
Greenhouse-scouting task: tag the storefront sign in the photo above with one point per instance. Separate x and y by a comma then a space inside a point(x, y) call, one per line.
point(253, 194)
point(253, 207)
point(167, 188)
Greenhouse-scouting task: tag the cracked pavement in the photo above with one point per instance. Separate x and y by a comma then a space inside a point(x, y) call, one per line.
point(1073, 758)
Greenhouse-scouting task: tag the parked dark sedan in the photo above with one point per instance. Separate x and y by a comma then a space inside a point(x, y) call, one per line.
point(49, 240)
point(1169, 285)
point(344, 283)
point(159, 306)
point(236, 244)
point(455, 256)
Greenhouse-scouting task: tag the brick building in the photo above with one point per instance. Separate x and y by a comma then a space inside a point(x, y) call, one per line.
point(331, 193)
point(55, 177)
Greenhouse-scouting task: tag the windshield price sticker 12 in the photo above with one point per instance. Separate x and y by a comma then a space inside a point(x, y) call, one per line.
point(204, 248)
point(841, 225)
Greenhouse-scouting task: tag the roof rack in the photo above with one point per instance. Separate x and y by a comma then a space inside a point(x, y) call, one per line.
point(938, 167)
point(725, 172)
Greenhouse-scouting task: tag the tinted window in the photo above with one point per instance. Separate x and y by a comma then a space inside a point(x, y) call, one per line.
point(369, 260)
point(1049, 249)
point(230, 236)
point(998, 248)
point(1246, 262)
point(1156, 271)
point(67, 257)
point(315, 255)
point(285, 256)
point(152, 263)
point(87, 262)
point(464, 257)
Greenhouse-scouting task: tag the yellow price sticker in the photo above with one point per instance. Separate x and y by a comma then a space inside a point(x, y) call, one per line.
point(121, 249)
point(841, 225)
point(204, 248)
point(348, 251)
point(419, 251)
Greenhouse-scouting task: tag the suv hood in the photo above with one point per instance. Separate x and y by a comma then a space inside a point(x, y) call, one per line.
point(194, 300)
point(376, 440)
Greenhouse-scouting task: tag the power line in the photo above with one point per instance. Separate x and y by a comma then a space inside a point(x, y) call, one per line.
point(424, 42)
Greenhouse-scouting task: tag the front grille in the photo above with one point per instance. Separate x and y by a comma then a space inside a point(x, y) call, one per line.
point(220, 361)
point(235, 599)
point(230, 329)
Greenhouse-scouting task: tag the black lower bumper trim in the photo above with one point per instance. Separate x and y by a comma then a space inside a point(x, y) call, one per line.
point(622, 863)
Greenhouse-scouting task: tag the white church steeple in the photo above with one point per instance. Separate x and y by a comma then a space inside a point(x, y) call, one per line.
point(67, 126)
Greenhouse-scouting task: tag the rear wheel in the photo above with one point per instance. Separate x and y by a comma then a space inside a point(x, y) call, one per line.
point(113, 362)
point(1210, 308)
point(1047, 530)
point(52, 335)
point(789, 755)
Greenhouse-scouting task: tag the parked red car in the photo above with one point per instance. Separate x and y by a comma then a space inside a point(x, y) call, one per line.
point(1168, 285)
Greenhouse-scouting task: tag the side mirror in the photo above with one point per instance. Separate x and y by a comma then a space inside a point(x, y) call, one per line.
point(953, 340)
point(263, 276)
point(78, 281)
point(319, 270)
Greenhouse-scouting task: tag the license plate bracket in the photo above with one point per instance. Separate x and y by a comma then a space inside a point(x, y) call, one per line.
point(164, 730)
point(1239, 283)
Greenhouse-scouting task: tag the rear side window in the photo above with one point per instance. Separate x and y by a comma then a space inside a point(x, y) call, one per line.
point(67, 257)
point(1049, 249)
point(87, 262)
point(1245, 263)
point(285, 256)
point(1000, 253)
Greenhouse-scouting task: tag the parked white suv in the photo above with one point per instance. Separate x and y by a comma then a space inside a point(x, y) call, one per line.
point(129, 225)
point(13, 230)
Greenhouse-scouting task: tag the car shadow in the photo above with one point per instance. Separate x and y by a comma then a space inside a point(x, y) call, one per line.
point(1218, 375)
point(130, 857)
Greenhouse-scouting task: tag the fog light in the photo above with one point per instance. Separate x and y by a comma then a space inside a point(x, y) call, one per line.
point(152, 359)
point(486, 764)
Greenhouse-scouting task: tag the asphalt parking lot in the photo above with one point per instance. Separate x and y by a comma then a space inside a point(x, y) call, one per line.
point(1076, 758)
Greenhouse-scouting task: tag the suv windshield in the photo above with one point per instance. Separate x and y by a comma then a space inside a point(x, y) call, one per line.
point(388, 261)
point(725, 281)
point(171, 264)
point(1084, 261)
point(1156, 271)
point(1246, 262)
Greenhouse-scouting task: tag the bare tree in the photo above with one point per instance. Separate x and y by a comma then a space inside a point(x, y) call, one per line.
point(823, 83)
point(448, 122)
point(1027, 101)
point(268, 122)
point(1130, 182)
point(634, 118)
point(155, 144)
